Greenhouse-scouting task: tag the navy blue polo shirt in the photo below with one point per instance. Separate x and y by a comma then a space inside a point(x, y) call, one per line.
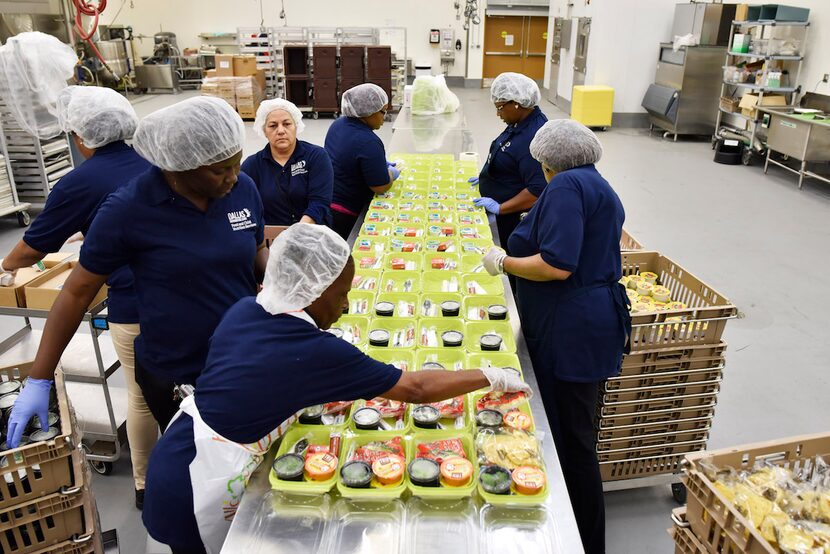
point(359, 161)
point(572, 326)
point(510, 168)
point(72, 203)
point(189, 266)
point(301, 187)
point(261, 370)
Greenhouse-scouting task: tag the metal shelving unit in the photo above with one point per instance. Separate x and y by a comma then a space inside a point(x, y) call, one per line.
point(9, 202)
point(36, 165)
point(749, 129)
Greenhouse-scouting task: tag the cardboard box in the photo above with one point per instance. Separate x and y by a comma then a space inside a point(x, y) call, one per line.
point(42, 291)
point(53, 259)
point(14, 296)
point(211, 73)
point(244, 66)
point(750, 101)
point(742, 12)
point(224, 65)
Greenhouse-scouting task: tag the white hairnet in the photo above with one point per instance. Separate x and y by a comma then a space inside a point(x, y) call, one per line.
point(515, 87)
point(34, 68)
point(563, 144)
point(193, 133)
point(363, 100)
point(304, 261)
point(268, 106)
point(96, 114)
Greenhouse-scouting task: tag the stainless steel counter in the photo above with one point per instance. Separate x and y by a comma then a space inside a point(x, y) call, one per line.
point(802, 139)
point(273, 522)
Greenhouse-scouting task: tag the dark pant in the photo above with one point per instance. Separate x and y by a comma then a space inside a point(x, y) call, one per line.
point(187, 550)
point(342, 224)
point(158, 393)
point(506, 224)
point(571, 409)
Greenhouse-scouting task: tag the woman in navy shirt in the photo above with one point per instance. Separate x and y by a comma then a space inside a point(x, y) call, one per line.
point(270, 357)
point(100, 120)
point(192, 234)
point(294, 177)
point(357, 155)
point(511, 180)
point(566, 257)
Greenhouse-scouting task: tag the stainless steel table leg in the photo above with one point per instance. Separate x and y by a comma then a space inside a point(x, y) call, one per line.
point(766, 164)
point(801, 174)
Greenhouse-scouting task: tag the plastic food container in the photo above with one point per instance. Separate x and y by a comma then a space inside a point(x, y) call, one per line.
point(367, 419)
point(378, 414)
point(488, 413)
point(402, 358)
point(404, 304)
point(373, 229)
point(442, 261)
point(477, 341)
point(442, 281)
point(429, 304)
point(402, 332)
point(425, 416)
point(455, 471)
point(450, 308)
point(493, 359)
point(384, 309)
point(424, 472)
point(361, 302)
point(379, 337)
point(289, 467)
point(452, 339)
point(405, 245)
point(477, 308)
point(440, 358)
point(400, 281)
point(367, 280)
point(313, 415)
point(482, 283)
point(489, 419)
point(472, 263)
point(403, 261)
point(288, 479)
point(375, 489)
point(356, 475)
point(490, 342)
point(449, 245)
point(497, 312)
point(431, 331)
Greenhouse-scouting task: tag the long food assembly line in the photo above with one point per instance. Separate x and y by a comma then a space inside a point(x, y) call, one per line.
point(419, 281)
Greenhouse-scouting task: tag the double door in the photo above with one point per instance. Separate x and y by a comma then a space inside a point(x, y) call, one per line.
point(515, 43)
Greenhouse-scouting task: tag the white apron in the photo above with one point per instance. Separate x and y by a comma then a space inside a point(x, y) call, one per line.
point(221, 469)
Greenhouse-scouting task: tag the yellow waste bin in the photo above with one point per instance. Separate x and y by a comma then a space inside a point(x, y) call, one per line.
point(592, 105)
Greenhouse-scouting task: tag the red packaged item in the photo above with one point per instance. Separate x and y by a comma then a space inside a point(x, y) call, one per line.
point(376, 450)
point(316, 449)
point(398, 263)
point(337, 408)
point(501, 401)
point(441, 449)
point(451, 408)
point(438, 263)
point(387, 408)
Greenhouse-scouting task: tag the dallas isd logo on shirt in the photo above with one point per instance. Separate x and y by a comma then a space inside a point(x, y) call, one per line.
point(505, 146)
point(241, 220)
point(298, 168)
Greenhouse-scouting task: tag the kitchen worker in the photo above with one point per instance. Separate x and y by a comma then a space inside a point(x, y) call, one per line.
point(511, 180)
point(566, 258)
point(99, 121)
point(270, 358)
point(191, 233)
point(294, 177)
point(357, 155)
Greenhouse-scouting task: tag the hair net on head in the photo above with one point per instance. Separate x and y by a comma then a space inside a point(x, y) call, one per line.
point(515, 87)
point(304, 261)
point(563, 144)
point(269, 106)
point(98, 115)
point(363, 100)
point(34, 68)
point(193, 133)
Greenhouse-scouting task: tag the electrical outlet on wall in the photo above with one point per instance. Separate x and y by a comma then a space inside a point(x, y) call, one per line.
point(826, 78)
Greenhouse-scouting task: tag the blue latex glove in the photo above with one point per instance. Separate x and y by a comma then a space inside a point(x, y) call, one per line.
point(488, 204)
point(473, 180)
point(391, 164)
point(33, 401)
point(395, 172)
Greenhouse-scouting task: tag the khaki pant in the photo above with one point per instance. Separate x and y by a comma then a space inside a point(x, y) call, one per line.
point(142, 429)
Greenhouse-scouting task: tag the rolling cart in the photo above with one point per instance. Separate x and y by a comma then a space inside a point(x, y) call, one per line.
point(103, 432)
point(9, 202)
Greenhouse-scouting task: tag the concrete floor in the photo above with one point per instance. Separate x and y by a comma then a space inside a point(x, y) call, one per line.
point(755, 238)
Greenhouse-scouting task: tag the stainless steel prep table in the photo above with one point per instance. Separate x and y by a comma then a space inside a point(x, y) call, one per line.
point(270, 521)
point(803, 139)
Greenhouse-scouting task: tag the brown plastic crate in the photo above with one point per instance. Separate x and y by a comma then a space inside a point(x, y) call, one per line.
point(715, 522)
point(81, 545)
point(639, 452)
point(654, 440)
point(667, 416)
point(672, 403)
point(613, 432)
point(685, 541)
point(702, 322)
point(38, 525)
point(628, 242)
point(667, 358)
point(680, 377)
point(48, 465)
point(641, 467)
point(661, 391)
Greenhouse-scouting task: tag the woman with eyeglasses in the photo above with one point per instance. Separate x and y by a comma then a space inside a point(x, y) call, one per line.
point(511, 180)
point(357, 155)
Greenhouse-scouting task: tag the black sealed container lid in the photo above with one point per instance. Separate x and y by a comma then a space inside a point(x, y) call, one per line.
point(367, 418)
point(313, 415)
point(379, 337)
point(385, 309)
point(426, 416)
point(356, 474)
point(495, 479)
point(489, 418)
point(424, 472)
point(289, 467)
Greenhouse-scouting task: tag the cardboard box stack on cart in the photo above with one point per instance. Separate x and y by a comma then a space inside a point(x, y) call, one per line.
point(237, 81)
point(762, 498)
point(46, 504)
point(661, 405)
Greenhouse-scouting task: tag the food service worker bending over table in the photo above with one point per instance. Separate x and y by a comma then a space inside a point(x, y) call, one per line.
point(294, 177)
point(511, 180)
point(191, 233)
point(357, 155)
point(566, 257)
point(100, 120)
point(270, 358)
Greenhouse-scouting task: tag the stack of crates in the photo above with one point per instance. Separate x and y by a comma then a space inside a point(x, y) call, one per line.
point(45, 503)
point(661, 405)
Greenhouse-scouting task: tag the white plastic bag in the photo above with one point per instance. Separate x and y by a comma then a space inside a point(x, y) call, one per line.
point(685, 40)
point(34, 69)
point(432, 96)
